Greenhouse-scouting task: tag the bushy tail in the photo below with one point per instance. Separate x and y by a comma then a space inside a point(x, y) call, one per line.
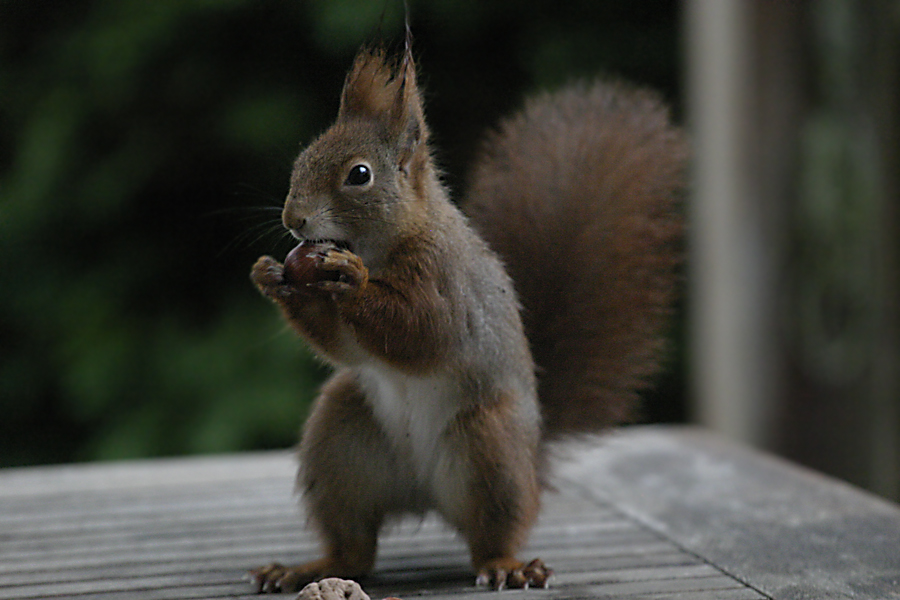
point(578, 195)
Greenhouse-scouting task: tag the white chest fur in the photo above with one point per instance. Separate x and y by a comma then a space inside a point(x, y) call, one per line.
point(414, 412)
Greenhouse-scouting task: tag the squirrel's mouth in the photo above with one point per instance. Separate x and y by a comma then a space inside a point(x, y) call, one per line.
point(341, 244)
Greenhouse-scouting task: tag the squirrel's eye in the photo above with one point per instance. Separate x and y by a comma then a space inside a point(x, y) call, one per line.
point(360, 174)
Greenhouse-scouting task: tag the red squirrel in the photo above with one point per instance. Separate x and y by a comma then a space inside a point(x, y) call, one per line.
point(463, 344)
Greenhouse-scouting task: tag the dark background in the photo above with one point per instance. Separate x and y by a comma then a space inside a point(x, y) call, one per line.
point(145, 149)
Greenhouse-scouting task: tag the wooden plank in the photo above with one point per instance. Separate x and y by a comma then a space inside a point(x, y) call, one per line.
point(785, 531)
point(191, 528)
point(159, 476)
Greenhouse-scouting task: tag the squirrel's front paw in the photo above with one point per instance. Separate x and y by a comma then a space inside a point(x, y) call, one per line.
point(348, 273)
point(268, 275)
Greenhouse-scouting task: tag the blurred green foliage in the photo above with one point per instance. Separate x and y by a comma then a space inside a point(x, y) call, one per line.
point(145, 147)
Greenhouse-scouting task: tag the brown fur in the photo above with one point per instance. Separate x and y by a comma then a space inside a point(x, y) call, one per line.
point(434, 403)
point(578, 194)
point(376, 88)
point(342, 436)
point(505, 494)
point(415, 337)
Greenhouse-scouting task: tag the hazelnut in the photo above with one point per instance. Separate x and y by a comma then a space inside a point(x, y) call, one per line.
point(301, 264)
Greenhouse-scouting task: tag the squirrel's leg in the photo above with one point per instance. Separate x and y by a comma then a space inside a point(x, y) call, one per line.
point(502, 497)
point(350, 478)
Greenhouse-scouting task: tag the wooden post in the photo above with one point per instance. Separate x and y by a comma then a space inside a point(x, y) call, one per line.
point(794, 268)
point(729, 271)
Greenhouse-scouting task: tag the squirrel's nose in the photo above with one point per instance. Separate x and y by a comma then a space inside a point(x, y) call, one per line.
point(292, 221)
point(296, 229)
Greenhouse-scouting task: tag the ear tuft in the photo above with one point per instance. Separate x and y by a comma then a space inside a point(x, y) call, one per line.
point(383, 88)
point(370, 87)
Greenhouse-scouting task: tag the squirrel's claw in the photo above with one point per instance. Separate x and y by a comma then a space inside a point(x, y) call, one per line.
point(504, 574)
point(268, 275)
point(352, 273)
point(333, 287)
point(275, 578)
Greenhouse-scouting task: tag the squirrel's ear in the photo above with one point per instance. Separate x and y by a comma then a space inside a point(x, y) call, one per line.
point(376, 89)
point(409, 118)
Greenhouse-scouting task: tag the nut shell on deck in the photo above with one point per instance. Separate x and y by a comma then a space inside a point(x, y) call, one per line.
point(301, 264)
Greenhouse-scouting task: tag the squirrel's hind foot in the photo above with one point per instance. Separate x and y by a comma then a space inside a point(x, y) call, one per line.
point(275, 577)
point(510, 573)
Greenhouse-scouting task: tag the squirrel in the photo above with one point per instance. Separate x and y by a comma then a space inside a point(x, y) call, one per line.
point(466, 343)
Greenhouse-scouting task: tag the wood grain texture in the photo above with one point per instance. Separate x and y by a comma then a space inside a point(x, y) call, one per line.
point(635, 517)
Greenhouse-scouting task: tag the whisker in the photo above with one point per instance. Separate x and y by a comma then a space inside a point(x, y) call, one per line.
point(275, 230)
point(254, 234)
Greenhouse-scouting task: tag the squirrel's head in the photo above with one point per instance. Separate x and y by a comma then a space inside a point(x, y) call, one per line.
point(371, 170)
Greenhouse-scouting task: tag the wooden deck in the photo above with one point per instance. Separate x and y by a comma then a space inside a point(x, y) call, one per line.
point(661, 513)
